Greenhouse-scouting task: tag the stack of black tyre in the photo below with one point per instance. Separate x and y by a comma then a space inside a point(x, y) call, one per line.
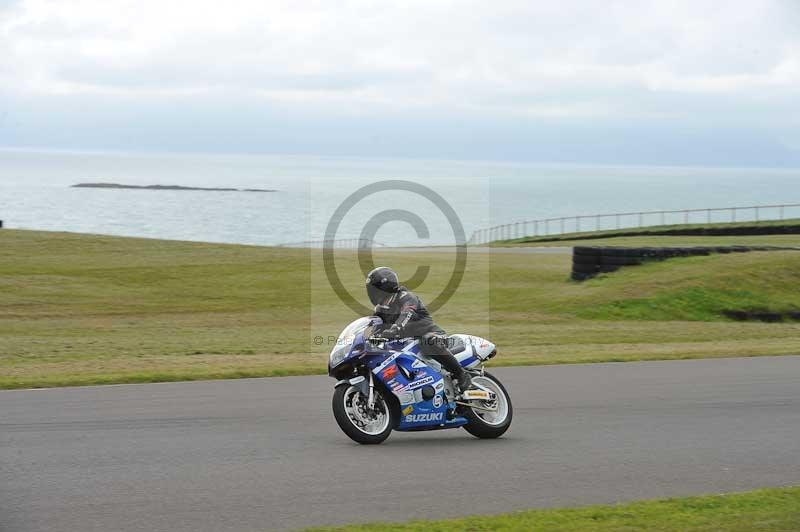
point(588, 261)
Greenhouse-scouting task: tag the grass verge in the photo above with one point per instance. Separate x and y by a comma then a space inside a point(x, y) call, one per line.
point(83, 309)
point(766, 510)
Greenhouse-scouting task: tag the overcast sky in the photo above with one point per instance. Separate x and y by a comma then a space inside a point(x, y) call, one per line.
point(663, 82)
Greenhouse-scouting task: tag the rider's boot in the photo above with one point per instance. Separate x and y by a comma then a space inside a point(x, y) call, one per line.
point(464, 380)
point(461, 377)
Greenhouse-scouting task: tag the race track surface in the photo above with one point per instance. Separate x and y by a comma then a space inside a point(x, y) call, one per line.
point(263, 454)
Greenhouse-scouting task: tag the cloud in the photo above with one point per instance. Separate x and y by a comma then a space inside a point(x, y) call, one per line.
point(735, 62)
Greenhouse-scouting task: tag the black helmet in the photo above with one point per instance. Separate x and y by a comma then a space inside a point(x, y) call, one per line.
point(381, 283)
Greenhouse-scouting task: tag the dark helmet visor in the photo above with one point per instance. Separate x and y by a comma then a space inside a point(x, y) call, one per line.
point(376, 295)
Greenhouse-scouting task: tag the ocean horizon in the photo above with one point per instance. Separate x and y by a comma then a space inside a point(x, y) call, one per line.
point(36, 193)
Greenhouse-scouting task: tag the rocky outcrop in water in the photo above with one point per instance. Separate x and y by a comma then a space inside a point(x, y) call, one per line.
point(168, 187)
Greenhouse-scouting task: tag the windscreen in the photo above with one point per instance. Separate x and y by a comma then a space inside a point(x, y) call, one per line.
point(347, 337)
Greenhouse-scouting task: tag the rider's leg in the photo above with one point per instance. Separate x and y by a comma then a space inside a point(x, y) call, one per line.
point(435, 345)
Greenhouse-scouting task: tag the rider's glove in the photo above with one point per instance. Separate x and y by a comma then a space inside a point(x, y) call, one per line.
point(393, 331)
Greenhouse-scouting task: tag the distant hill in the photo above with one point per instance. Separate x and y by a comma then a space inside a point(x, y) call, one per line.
point(168, 187)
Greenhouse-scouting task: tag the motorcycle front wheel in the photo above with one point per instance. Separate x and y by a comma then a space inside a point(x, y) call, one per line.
point(362, 424)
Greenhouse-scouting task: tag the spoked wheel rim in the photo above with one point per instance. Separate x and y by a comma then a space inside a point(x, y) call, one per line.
point(497, 416)
point(369, 421)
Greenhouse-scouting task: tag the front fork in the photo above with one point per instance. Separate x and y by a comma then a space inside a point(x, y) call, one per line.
point(366, 385)
point(371, 400)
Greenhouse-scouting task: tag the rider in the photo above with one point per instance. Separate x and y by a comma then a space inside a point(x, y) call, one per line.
point(405, 316)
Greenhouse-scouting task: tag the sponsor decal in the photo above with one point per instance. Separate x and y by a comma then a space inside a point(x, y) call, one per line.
point(418, 364)
point(390, 372)
point(394, 385)
point(416, 418)
point(422, 382)
point(406, 398)
point(386, 363)
point(439, 386)
point(407, 410)
point(437, 401)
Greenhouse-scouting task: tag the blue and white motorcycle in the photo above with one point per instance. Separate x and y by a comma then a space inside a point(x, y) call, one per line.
point(387, 384)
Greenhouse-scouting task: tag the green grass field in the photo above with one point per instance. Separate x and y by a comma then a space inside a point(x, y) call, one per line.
point(767, 510)
point(81, 309)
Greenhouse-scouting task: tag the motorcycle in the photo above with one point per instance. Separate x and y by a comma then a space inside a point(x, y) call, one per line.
point(387, 384)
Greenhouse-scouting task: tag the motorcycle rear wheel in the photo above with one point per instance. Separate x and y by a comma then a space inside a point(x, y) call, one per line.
point(362, 425)
point(485, 425)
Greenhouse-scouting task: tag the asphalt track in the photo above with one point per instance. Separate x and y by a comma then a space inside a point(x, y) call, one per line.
point(265, 454)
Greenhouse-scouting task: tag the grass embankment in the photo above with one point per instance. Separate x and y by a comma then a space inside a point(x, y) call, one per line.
point(670, 235)
point(767, 510)
point(81, 309)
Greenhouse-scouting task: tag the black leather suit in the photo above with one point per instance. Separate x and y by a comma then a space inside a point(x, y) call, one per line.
point(404, 315)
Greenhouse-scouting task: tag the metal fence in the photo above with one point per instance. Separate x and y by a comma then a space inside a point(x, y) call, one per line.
point(344, 243)
point(627, 220)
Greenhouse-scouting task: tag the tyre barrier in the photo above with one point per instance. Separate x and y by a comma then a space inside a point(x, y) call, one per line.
point(588, 261)
point(762, 315)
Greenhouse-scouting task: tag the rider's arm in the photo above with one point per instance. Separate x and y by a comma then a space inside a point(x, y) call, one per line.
point(408, 312)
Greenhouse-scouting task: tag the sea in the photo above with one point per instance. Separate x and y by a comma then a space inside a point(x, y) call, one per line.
point(393, 202)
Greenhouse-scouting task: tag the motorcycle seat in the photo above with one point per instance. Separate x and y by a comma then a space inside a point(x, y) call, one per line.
point(455, 344)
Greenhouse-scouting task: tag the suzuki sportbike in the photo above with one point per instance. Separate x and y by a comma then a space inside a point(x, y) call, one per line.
point(388, 384)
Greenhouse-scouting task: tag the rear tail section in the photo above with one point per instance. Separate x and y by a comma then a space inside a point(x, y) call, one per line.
point(470, 350)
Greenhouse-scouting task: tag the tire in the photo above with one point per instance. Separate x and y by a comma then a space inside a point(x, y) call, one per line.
point(585, 259)
point(769, 317)
point(622, 252)
point(349, 426)
point(479, 427)
point(654, 253)
point(585, 268)
point(621, 261)
point(577, 276)
point(586, 250)
point(738, 315)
